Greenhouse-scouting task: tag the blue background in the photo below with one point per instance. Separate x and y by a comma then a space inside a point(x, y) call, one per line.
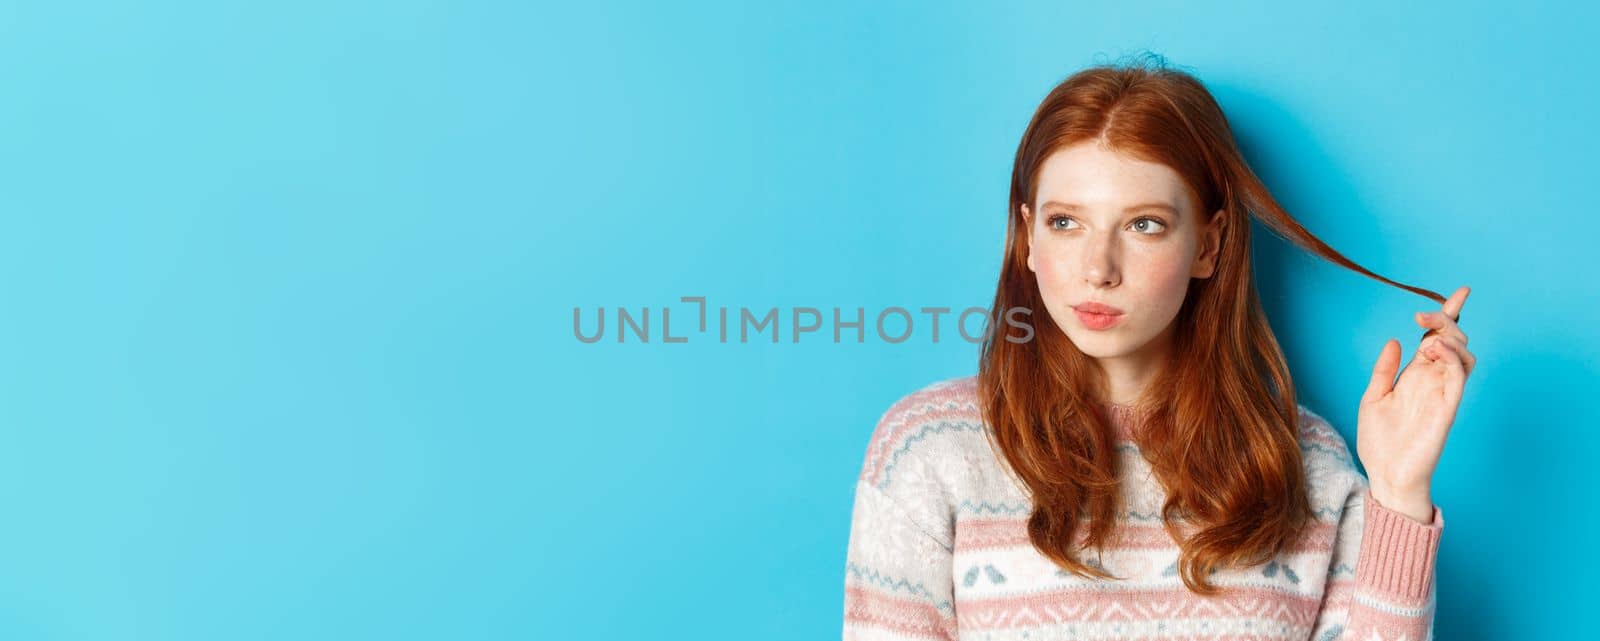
point(287, 339)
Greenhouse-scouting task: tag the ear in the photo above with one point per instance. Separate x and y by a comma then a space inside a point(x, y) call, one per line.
point(1027, 223)
point(1205, 264)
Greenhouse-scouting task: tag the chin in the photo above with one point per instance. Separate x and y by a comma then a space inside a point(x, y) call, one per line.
point(1103, 345)
point(1096, 346)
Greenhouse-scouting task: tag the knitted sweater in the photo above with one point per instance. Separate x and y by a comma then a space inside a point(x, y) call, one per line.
point(938, 548)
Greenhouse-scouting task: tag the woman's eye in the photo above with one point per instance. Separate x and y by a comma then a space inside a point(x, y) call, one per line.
point(1058, 222)
point(1150, 220)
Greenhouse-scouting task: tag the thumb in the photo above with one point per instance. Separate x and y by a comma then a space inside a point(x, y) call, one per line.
point(1383, 372)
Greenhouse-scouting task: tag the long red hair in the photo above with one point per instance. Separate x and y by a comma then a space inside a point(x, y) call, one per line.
point(1220, 420)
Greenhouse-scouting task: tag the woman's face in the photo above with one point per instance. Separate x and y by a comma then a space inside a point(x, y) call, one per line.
point(1111, 229)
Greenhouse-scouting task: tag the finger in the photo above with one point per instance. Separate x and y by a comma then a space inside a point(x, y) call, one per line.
point(1455, 374)
point(1438, 324)
point(1468, 360)
point(1383, 372)
point(1452, 305)
point(1439, 349)
point(1451, 380)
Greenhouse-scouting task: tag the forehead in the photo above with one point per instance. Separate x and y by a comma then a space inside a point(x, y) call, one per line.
point(1093, 177)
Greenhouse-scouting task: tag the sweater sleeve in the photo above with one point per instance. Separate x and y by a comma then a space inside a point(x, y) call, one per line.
point(1389, 593)
point(897, 581)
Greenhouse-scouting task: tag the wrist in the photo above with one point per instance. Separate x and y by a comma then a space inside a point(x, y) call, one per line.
point(1416, 503)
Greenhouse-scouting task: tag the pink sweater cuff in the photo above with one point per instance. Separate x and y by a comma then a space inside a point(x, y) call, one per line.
point(1397, 553)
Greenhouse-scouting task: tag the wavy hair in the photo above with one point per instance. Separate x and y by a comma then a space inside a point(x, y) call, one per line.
point(1219, 423)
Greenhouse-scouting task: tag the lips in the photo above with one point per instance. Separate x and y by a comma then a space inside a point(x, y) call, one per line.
point(1097, 316)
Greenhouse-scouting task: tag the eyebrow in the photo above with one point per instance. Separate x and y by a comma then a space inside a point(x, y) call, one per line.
point(1126, 210)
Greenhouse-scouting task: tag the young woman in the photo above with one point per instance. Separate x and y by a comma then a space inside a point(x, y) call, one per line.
point(1138, 467)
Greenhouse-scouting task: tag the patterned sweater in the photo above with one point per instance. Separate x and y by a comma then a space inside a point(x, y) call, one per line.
point(938, 549)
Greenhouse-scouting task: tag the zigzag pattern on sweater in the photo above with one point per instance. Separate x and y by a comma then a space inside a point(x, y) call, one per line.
point(928, 429)
point(894, 584)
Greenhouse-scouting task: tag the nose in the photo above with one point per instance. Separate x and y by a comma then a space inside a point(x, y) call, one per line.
point(1099, 266)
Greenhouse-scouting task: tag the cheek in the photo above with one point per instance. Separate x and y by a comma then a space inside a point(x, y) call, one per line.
point(1165, 280)
point(1044, 267)
point(1167, 271)
point(1051, 273)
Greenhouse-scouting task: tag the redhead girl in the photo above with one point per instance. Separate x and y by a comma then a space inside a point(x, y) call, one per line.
point(1139, 467)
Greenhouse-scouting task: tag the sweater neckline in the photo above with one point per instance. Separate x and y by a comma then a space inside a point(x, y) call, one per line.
point(1124, 419)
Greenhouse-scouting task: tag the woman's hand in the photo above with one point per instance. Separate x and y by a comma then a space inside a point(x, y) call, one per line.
point(1401, 427)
